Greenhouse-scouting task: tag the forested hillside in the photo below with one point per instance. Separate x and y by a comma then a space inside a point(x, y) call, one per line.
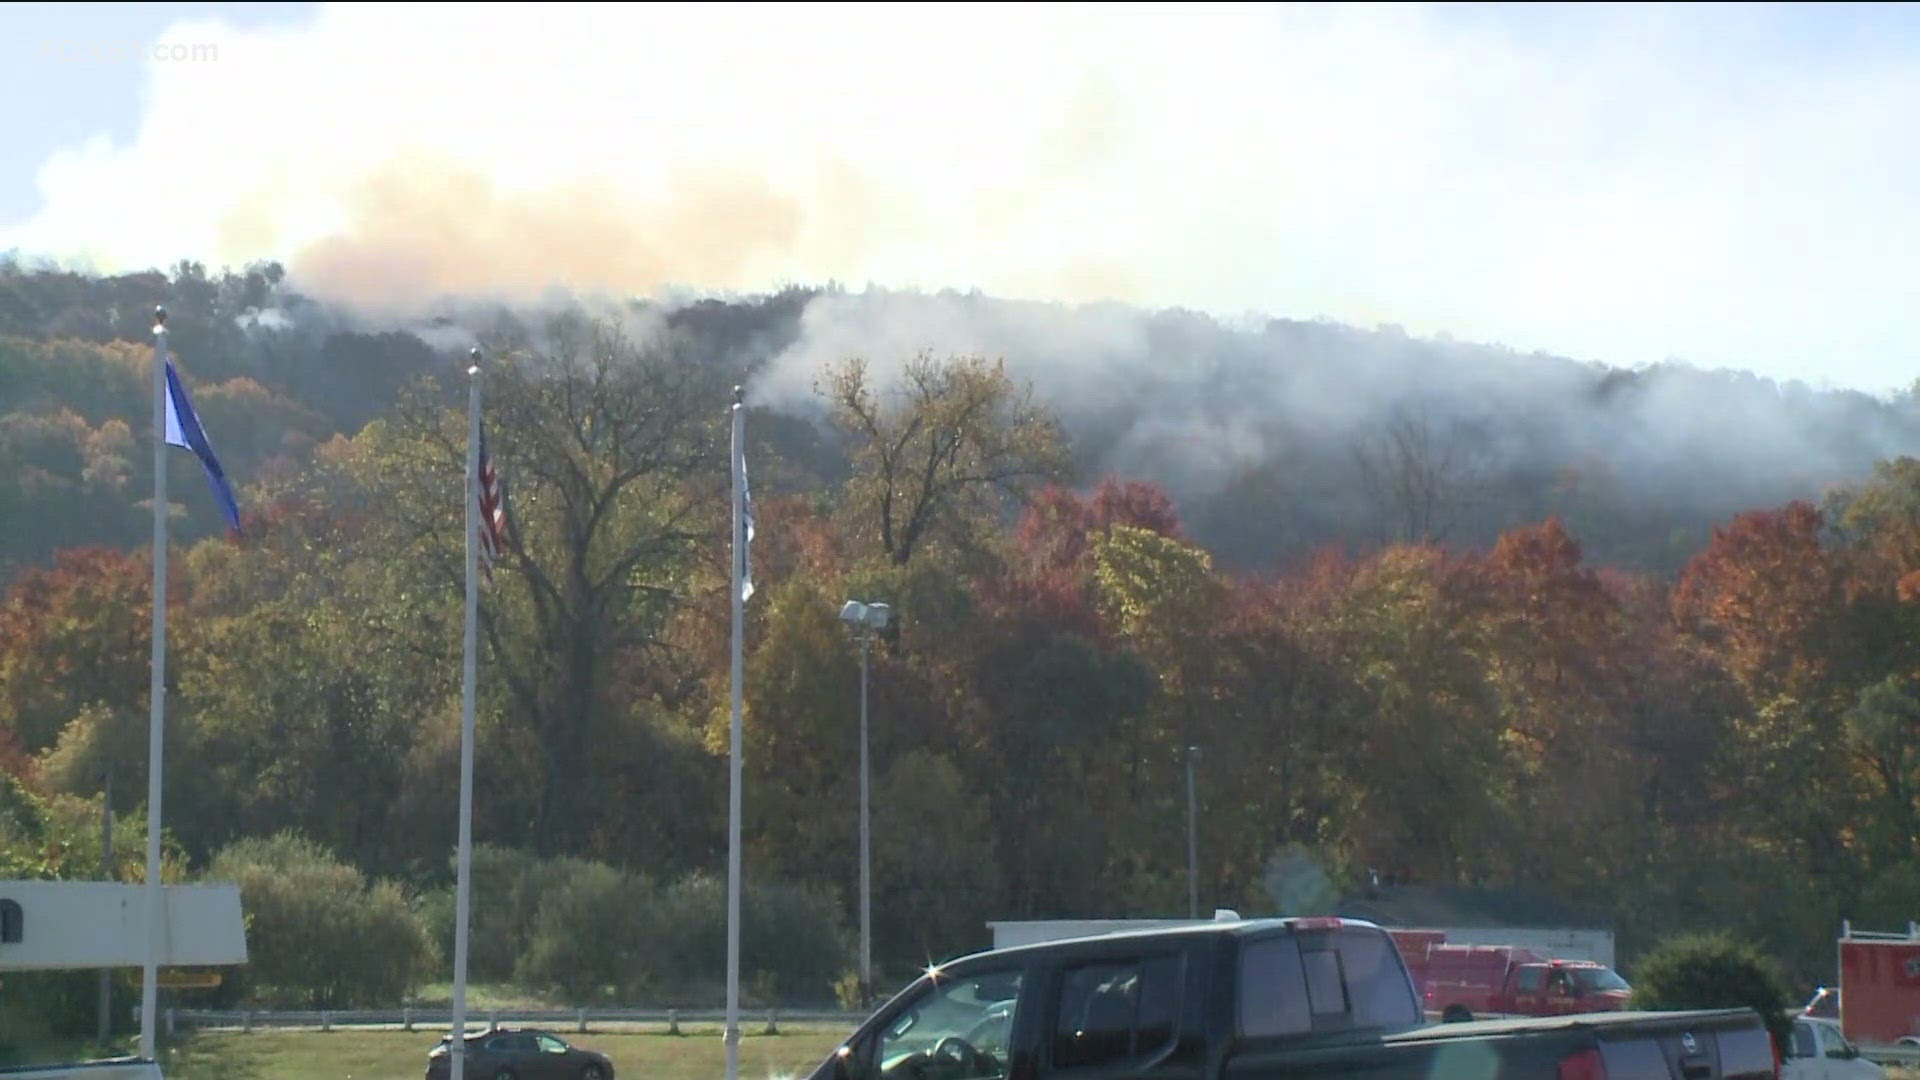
point(1640, 641)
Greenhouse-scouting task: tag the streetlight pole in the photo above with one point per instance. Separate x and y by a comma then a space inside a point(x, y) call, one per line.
point(1193, 842)
point(865, 619)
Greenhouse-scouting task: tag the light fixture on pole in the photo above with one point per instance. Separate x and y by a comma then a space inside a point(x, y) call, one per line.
point(866, 618)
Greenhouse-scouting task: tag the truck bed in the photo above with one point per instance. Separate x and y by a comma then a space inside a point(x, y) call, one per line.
point(1727, 1044)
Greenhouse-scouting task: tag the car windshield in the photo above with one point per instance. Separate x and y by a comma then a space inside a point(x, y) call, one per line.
point(1598, 981)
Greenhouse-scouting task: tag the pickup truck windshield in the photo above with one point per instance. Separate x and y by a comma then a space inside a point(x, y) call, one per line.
point(1298, 982)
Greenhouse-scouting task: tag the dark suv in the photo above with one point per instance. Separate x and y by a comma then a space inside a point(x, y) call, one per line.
point(520, 1054)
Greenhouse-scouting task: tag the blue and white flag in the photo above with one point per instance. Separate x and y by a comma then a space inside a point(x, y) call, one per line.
point(183, 430)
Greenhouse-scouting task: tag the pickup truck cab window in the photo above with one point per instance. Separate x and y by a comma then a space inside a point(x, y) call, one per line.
point(1531, 977)
point(957, 1029)
point(1324, 980)
point(1117, 1013)
point(1837, 1045)
point(1273, 989)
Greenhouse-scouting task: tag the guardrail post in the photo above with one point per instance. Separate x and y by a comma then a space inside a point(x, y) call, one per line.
point(493, 1020)
point(673, 1021)
point(583, 1021)
point(326, 1021)
point(246, 1021)
point(406, 1017)
point(773, 1026)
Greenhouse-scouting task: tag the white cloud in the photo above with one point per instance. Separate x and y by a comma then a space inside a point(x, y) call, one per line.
point(1619, 184)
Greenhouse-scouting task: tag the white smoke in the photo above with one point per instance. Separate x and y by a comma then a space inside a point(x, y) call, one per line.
point(1615, 183)
point(1198, 404)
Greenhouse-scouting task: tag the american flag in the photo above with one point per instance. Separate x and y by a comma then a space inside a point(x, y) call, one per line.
point(493, 512)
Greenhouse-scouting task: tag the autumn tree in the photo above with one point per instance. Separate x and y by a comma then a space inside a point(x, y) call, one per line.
point(609, 449)
point(1766, 595)
point(1770, 601)
point(940, 455)
point(1422, 769)
point(75, 635)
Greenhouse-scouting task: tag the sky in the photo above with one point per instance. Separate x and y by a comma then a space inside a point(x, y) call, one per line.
point(1724, 185)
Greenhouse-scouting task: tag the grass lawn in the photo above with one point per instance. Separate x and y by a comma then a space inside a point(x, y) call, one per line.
point(399, 1055)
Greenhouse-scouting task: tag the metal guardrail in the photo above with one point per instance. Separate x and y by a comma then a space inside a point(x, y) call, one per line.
point(1892, 1055)
point(436, 1019)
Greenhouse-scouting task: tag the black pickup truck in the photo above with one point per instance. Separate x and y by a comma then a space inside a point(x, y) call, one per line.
point(1253, 1000)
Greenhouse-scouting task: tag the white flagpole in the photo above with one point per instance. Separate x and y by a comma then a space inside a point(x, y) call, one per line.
point(157, 689)
point(732, 1035)
point(457, 1042)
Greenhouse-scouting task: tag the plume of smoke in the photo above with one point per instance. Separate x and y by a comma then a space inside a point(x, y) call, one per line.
point(1199, 405)
point(1355, 162)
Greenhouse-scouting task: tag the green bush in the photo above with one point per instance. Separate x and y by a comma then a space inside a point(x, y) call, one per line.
point(585, 939)
point(1712, 971)
point(503, 905)
point(793, 947)
point(319, 934)
point(591, 932)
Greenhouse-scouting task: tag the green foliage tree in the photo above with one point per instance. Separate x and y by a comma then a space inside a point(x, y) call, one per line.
point(601, 442)
point(933, 861)
point(1712, 971)
point(802, 737)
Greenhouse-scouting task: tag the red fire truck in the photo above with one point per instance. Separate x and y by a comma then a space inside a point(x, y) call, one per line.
point(1878, 1000)
point(1461, 982)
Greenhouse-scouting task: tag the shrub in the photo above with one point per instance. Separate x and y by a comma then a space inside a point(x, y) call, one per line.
point(317, 932)
point(585, 940)
point(792, 945)
point(1713, 971)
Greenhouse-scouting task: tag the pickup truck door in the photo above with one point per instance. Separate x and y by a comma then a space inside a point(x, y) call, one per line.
point(1819, 1052)
point(1842, 1059)
point(1528, 981)
point(955, 1028)
point(1120, 1017)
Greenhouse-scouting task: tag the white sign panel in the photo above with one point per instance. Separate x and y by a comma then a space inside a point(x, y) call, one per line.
point(96, 924)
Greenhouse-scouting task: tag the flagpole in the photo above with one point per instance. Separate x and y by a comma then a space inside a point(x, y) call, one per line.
point(157, 689)
point(457, 1042)
point(733, 794)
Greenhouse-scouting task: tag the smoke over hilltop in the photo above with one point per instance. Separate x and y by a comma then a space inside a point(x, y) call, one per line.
point(1275, 434)
point(1621, 183)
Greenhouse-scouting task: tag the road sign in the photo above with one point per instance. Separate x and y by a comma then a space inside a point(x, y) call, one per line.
point(188, 979)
